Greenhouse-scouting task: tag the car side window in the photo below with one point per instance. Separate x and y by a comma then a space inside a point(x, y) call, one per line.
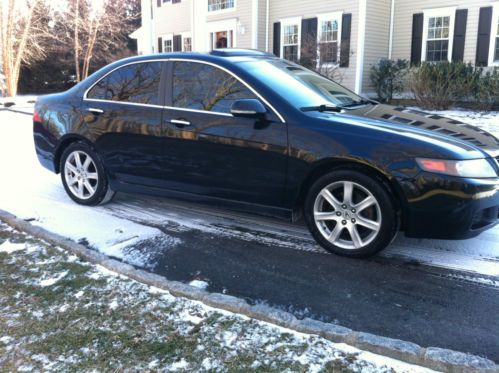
point(136, 83)
point(205, 87)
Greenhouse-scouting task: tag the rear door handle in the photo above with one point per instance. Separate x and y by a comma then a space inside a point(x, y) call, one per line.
point(180, 122)
point(95, 111)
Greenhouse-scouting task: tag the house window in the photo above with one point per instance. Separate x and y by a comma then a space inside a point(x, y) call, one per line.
point(290, 42)
point(496, 49)
point(329, 29)
point(438, 34)
point(167, 44)
point(187, 44)
point(216, 5)
point(437, 43)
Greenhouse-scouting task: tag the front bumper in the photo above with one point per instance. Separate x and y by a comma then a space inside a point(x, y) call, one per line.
point(448, 207)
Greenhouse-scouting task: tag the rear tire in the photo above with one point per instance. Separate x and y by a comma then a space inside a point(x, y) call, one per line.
point(84, 176)
point(350, 213)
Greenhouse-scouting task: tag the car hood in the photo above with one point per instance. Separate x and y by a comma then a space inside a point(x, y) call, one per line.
point(455, 131)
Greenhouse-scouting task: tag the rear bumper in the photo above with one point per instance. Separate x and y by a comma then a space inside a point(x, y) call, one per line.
point(445, 207)
point(44, 146)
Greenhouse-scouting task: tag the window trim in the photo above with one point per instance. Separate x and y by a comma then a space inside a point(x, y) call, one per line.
point(291, 22)
point(226, 25)
point(166, 37)
point(184, 36)
point(493, 28)
point(438, 12)
point(334, 16)
point(220, 11)
point(277, 113)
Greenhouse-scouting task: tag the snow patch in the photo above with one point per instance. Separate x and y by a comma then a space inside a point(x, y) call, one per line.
point(52, 281)
point(200, 284)
point(9, 247)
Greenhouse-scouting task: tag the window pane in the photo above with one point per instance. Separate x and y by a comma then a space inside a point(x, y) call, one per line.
point(98, 92)
point(214, 5)
point(496, 56)
point(437, 50)
point(138, 83)
point(291, 52)
point(328, 52)
point(203, 87)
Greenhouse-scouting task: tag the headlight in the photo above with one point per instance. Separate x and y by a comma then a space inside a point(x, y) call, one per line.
point(478, 168)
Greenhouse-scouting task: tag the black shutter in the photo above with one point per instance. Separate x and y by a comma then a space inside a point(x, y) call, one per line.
point(417, 38)
point(159, 2)
point(160, 45)
point(459, 34)
point(309, 39)
point(277, 39)
point(177, 43)
point(483, 40)
point(346, 27)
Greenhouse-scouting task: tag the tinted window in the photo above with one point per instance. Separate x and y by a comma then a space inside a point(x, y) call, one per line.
point(204, 87)
point(138, 83)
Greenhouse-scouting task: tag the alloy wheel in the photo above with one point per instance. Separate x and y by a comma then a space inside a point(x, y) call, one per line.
point(347, 215)
point(81, 175)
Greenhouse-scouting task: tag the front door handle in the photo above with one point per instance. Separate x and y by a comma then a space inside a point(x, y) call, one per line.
point(180, 122)
point(95, 111)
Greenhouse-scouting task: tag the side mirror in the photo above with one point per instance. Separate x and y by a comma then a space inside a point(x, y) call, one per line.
point(247, 108)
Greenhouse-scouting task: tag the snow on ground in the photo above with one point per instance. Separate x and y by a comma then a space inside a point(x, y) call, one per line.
point(94, 320)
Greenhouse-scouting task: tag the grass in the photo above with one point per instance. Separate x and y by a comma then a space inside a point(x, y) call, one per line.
point(95, 320)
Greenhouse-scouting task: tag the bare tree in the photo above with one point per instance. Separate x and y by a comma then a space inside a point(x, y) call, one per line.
point(24, 31)
point(99, 30)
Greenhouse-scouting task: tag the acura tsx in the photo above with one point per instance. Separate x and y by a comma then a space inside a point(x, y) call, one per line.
point(247, 130)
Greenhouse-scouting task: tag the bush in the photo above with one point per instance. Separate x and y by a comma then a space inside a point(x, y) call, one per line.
point(387, 77)
point(439, 85)
point(487, 90)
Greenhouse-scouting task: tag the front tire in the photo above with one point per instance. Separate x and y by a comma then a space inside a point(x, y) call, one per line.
point(350, 213)
point(84, 176)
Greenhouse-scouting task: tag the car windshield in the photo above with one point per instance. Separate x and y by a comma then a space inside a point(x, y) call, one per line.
point(301, 87)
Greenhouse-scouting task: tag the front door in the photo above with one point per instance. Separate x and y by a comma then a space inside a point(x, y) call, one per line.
point(214, 153)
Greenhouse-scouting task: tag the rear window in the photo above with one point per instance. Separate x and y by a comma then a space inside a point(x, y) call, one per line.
point(136, 83)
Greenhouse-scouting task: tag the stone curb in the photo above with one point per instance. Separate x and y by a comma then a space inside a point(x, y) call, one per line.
point(430, 357)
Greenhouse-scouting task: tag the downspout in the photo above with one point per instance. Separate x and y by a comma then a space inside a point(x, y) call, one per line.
point(361, 36)
point(390, 45)
point(267, 27)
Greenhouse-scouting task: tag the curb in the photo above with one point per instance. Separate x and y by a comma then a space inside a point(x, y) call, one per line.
point(429, 357)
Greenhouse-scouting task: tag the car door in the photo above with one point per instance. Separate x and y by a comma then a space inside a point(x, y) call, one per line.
point(123, 115)
point(212, 152)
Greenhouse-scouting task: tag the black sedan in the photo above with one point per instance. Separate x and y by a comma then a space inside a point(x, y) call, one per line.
point(245, 129)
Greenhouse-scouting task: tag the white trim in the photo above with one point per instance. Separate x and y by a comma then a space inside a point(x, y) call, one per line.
point(439, 12)
point(186, 34)
point(390, 40)
point(334, 16)
point(290, 22)
point(267, 22)
point(493, 35)
point(220, 26)
point(281, 118)
point(254, 24)
point(361, 40)
point(164, 38)
point(221, 11)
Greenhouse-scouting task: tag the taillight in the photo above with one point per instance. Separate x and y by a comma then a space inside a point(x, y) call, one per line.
point(37, 117)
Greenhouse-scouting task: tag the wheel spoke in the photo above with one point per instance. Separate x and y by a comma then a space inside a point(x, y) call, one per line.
point(80, 189)
point(89, 187)
point(325, 216)
point(77, 160)
point(365, 203)
point(71, 180)
point(368, 223)
point(354, 234)
point(347, 192)
point(87, 163)
point(328, 196)
point(70, 167)
point(92, 175)
point(335, 233)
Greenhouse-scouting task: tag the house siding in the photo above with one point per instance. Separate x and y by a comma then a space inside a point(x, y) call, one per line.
point(309, 9)
point(172, 18)
point(377, 38)
point(403, 24)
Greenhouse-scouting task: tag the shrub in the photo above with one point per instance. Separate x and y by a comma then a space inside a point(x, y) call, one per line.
point(439, 85)
point(487, 90)
point(387, 77)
